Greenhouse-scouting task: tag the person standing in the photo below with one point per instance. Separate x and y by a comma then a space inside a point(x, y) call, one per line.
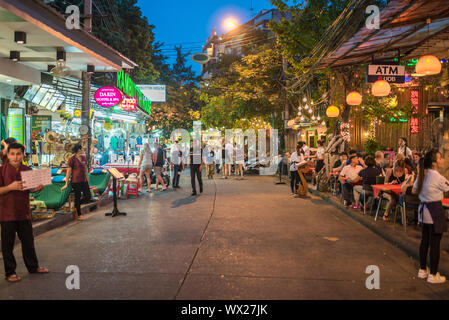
point(404, 149)
point(4, 152)
point(77, 174)
point(296, 158)
point(229, 158)
point(178, 166)
point(146, 165)
point(430, 187)
point(196, 166)
point(319, 157)
point(158, 161)
point(239, 161)
point(223, 162)
point(209, 160)
point(15, 214)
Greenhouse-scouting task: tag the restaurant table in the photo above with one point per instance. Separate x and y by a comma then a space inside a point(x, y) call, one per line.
point(394, 188)
point(122, 168)
point(446, 203)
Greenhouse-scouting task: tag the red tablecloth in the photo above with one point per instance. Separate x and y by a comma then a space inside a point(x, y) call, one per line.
point(125, 169)
point(446, 202)
point(395, 188)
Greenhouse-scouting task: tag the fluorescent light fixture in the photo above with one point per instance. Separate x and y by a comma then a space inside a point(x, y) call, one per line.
point(20, 37)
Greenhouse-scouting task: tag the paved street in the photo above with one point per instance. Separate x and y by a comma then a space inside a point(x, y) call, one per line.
point(239, 240)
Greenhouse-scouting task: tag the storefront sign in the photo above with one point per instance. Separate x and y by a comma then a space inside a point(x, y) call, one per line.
point(130, 89)
point(15, 123)
point(156, 93)
point(414, 121)
point(390, 73)
point(128, 104)
point(39, 125)
point(108, 97)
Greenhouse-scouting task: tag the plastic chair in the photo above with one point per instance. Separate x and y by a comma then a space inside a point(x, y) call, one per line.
point(111, 189)
point(133, 188)
point(410, 201)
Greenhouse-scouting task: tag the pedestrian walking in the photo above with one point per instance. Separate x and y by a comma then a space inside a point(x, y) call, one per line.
point(196, 166)
point(209, 160)
point(319, 157)
point(77, 174)
point(224, 168)
point(239, 161)
point(178, 166)
point(296, 158)
point(146, 165)
point(158, 161)
point(430, 187)
point(229, 158)
point(15, 214)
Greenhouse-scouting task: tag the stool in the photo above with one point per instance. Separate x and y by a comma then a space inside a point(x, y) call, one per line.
point(110, 187)
point(133, 188)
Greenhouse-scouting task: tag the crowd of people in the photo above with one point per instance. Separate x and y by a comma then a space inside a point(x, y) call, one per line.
point(417, 174)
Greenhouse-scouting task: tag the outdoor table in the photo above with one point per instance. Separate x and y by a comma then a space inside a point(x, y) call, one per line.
point(395, 188)
point(446, 203)
point(122, 168)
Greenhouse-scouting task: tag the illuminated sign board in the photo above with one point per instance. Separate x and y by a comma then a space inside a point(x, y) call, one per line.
point(108, 97)
point(128, 104)
point(387, 72)
point(414, 121)
point(15, 123)
point(156, 93)
point(129, 88)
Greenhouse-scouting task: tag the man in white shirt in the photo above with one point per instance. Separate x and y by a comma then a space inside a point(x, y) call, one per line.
point(176, 160)
point(306, 150)
point(348, 176)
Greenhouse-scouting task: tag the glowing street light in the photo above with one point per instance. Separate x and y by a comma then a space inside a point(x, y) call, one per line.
point(230, 23)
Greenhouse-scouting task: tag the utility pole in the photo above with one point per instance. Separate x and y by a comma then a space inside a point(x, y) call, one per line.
point(85, 108)
point(88, 15)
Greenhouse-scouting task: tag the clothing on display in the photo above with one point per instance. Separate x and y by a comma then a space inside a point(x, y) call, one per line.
point(107, 142)
point(139, 140)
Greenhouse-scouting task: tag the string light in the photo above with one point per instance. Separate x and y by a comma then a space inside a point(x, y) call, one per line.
point(304, 99)
point(310, 110)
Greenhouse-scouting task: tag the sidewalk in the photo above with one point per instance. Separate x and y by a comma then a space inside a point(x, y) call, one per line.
point(406, 241)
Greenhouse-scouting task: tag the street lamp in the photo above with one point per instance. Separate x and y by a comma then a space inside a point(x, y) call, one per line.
point(230, 23)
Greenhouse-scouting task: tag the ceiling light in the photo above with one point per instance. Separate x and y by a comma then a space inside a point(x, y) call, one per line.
point(60, 55)
point(8, 80)
point(20, 37)
point(14, 55)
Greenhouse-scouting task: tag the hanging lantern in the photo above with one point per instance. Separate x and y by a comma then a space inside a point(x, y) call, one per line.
point(381, 88)
point(333, 112)
point(354, 98)
point(428, 65)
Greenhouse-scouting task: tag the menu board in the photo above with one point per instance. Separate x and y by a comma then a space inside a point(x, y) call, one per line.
point(34, 178)
point(29, 95)
point(47, 97)
point(39, 95)
point(15, 123)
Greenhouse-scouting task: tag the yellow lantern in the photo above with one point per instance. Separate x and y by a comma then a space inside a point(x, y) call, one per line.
point(354, 98)
point(428, 65)
point(381, 88)
point(333, 112)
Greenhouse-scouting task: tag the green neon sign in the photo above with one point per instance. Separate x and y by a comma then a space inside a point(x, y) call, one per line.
point(128, 87)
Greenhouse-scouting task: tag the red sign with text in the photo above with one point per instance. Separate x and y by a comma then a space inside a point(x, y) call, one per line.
point(414, 122)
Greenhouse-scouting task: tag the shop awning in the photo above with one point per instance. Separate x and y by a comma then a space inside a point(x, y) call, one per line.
point(403, 28)
point(46, 31)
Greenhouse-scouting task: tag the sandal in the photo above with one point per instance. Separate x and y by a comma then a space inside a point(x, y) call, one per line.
point(13, 278)
point(41, 270)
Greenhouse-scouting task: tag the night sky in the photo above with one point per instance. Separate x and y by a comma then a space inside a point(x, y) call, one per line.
point(191, 22)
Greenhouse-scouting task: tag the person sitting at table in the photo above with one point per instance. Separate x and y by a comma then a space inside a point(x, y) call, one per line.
point(340, 163)
point(348, 177)
point(416, 158)
point(359, 159)
point(379, 159)
point(430, 187)
point(368, 177)
point(397, 175)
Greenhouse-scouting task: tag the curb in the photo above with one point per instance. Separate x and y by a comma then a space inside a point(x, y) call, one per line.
point(407, 246)
point(63, 218)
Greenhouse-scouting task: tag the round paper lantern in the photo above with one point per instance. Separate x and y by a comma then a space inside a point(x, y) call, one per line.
point(381, 88)
point(428, 65)
point(333, 112)
point(354, 98)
